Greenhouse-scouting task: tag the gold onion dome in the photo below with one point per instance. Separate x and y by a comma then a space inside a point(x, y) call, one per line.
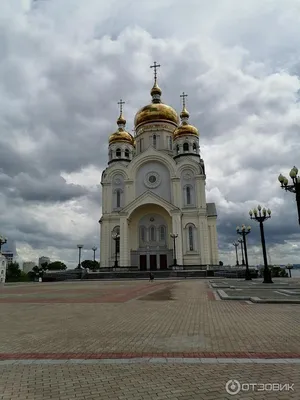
point(185, 128)
point(156, 111)
point(121, 135)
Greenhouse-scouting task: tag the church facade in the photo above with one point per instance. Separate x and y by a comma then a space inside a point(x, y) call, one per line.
point(153, 193)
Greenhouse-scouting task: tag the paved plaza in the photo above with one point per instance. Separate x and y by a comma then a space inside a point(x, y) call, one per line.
point(143, 340)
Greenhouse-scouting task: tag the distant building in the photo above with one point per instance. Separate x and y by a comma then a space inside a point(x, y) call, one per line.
point(3, 266)
point(44, 260)
point(9, 255)
point(28, 265)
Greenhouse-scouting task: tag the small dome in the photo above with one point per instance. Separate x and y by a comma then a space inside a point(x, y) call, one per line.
point(121, 136)
point(185, 129)
point(121, 120)
point(156, 90)
point(184, 113)
point(156, 112)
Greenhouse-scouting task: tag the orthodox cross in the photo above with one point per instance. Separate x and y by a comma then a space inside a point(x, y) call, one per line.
point(155, 66)
point(183, 95)
point(120, 103)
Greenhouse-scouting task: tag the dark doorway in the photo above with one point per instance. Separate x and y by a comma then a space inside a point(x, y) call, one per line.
point(143, 262)
point(163, 261)
point(153, 265)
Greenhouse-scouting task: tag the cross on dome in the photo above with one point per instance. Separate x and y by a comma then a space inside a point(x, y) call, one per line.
point(156, 90)
point(120, 103)
point(155, 66)
point(121, 121)
point(184, 115)
point(183, 96)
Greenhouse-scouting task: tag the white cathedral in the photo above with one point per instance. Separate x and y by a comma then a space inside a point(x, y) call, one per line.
point(153, 193)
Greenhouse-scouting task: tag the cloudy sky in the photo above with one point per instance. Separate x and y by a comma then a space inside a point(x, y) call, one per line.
point(64, 64)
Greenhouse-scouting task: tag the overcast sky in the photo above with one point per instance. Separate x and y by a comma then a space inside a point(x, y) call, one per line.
point(64, 64)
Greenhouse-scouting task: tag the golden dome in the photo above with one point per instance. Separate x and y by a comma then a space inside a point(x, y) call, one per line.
point(121, 136)
point(184, 113)
point(156, 112)
point(156, 90)
point(185, 129)
point(121, 120)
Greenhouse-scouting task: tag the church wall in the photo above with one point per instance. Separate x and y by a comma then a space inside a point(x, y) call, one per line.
point(204, 240)
point(200, 189)
point(191, 257)
point(162, 174)
point(214, 252)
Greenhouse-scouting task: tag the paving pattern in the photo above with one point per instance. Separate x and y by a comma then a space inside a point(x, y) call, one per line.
point(142, 340)
point(281, 291)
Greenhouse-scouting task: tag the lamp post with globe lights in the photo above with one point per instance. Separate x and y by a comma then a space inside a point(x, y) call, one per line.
point(294, 187)
point(116, 238)
point(241, 243)
point(94, 250)
point(236, 245)
point(174, 236)
point(260, 215)
point(3, 240)
point(244, 231)
point(79, 246)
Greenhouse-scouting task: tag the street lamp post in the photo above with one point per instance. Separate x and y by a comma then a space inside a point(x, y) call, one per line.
point(260, 215)
point(174, 236)
point(244, 231)
point(94, 250)
point(236, 245)
point(3, 240)
point(80, 246)
point(115, 237)
point(241, 243)
point(294, 187)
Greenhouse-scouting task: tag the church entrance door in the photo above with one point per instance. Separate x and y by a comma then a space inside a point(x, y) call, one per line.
point(143, 262)
point(153, 264)
point(163, 261)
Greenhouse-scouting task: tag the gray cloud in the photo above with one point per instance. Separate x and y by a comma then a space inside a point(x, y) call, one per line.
point(64, 65)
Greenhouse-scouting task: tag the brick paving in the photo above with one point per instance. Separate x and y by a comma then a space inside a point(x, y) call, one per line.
point(141, 319)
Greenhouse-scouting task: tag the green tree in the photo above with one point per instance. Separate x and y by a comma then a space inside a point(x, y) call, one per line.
point(36, 269)
point(90, 264)
point(56, 265)
point(13, 272)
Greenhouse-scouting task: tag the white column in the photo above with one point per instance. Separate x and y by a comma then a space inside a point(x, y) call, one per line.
point(105, 244)
point(124, 251)
point(177, 229)
point(214, 241)
point(204, 240)
point(200, 190)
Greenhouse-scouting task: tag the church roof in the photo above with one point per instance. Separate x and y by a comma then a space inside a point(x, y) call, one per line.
point(211, 209)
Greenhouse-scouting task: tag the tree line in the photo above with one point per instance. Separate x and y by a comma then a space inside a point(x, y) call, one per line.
point(15, 274)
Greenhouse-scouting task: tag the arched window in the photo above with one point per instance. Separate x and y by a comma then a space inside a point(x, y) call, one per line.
point(110, 154)
point(162, 233)
point(152, 234)
point(126, 153)
point(188, 195)
point(118, 198)
point(154, 141)
point(194, 148)
point(191, 238)
point(118, 153)
point(142, 234)
point(185, 147)
point(177, 149)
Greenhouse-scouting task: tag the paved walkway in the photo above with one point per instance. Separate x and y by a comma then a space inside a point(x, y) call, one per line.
point(142, 340)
